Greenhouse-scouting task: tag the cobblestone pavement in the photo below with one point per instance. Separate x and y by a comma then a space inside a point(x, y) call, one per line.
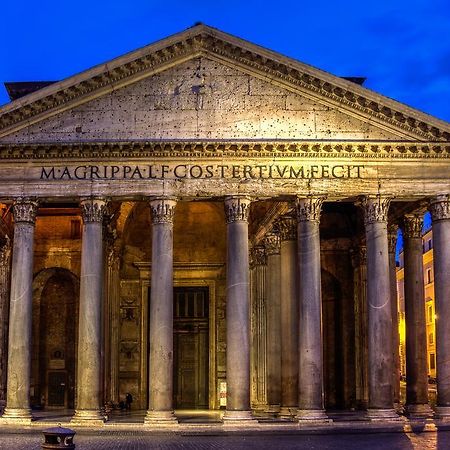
point(139, 441)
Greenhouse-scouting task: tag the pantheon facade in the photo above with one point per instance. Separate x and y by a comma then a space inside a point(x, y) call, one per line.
point(206, 224)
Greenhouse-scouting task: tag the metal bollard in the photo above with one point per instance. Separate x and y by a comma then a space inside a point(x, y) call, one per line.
point(58, 437)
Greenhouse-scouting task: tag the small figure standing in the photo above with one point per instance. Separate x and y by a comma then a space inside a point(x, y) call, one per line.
point(129, 400)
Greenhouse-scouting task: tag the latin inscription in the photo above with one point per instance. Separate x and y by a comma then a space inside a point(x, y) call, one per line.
point(196, 171)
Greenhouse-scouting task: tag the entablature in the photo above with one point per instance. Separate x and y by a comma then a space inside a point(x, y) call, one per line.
point(226, 149)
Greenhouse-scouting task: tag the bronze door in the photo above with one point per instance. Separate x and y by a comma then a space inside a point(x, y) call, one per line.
point(191, 350)
point(56, 389)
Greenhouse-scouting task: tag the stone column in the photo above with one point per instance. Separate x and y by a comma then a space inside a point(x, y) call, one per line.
point(258, 327)
point(238, 311)
point(160, 410)
point(310, 388)
point(379, 309)
point(416, 329)
point(89, 385)
point(112, 320)
point(359, 261)
point(289, 316)
point(20, 314)
point(392, 244)
point(5, 265)
point(273, 290)
point(440, 214)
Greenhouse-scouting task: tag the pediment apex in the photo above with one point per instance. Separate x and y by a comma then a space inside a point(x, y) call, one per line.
point(203, 40)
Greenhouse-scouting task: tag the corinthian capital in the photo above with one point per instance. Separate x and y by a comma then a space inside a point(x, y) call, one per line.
point(308, 208)
point(237, 209)
point(24, 210)
point(376, 208)
point(287, 225)
point(413, 224)
point(93, 209)
point(259, 257)
point(272, 243)
point(440, 207)
point(392, 237)
point(163, 209)
point(5, 251)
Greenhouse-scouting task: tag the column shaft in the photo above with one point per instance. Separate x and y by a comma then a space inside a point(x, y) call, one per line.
point(89, 385)
point(440, 213)
point(310, 390)
point(258, 328)
point(289, 316)
point(5, 264)
point(273, 289)
point(392, 236)
point(379, 309)
point(20, 314)
point(416, 336)
point(238, 311)
point(161, 314)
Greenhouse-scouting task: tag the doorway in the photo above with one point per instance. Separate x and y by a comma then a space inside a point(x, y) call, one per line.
point(191, 347)
point(57, 389)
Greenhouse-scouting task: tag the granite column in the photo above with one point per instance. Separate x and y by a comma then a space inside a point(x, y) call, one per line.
point(5, 272)
point(20, 314)
point(273, 289)
point(416, 330)
point(440, 214)
point(392, 243)
point(238, 311)
point(89, 384)
point(160, 410)
point(289, 316)
point(310, 389)
point(379, 309)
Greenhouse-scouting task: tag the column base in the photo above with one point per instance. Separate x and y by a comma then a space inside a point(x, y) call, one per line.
point(399, 408)
point(287, 412)
point(383, 415)
point(442, 413)
point(88, 418)
point(312, 416)
point(16, 416)
point(418, 411)
point(160, 418)
point(273, 410)
point(238, 418)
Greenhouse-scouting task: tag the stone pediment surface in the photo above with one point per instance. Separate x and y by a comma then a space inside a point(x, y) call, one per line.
point(202, 99)
point(205, 84)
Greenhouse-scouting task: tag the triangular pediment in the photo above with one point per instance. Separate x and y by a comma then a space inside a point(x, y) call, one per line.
point(205, 84)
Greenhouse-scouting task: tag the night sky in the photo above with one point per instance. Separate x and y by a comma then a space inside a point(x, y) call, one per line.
point(401, 46)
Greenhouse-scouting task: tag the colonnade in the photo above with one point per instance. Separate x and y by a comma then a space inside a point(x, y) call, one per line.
point(294, 295)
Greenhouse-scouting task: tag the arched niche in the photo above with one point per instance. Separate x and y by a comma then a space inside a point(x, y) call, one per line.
point(55, 326)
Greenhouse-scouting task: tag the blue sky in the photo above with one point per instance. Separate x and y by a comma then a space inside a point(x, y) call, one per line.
point(402, 47)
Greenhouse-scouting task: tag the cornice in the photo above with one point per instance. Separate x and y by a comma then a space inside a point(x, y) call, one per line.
point(220, 149)
point(205, 41)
